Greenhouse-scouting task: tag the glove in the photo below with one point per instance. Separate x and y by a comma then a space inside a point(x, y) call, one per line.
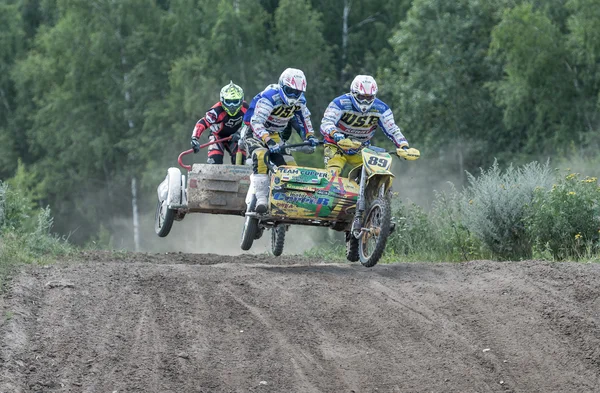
point(195, 144)
point(338, 136)
point(235, 137)
point(407, 153)
point(312, 140)
point(273, 146)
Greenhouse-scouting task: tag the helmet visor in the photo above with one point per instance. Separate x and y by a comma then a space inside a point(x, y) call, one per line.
point(232, 103)
point(365, 98)
point(291, 92)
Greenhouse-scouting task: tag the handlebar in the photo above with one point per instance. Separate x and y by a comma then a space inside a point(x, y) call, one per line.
point(283, 147)
point(183, 153)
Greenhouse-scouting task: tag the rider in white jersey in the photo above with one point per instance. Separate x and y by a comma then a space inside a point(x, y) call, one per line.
point(268, 116)
point(356, 115)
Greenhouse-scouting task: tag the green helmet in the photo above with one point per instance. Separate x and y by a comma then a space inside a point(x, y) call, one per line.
point(232, 97)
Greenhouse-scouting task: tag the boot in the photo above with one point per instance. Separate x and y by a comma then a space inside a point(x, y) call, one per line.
point(260, 183)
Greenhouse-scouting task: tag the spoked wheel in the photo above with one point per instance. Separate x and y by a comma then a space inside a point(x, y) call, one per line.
point(351, 247)
point(163, 219)
point(277, 239)
point(251, 231)
point(371, 243)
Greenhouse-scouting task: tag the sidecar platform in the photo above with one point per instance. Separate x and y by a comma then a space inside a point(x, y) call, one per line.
point(217, 189)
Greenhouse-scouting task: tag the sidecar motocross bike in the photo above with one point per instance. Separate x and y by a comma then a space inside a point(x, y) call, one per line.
point(358, 205)
point(215, 189)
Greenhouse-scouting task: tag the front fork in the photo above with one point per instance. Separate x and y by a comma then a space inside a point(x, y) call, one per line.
point(357, 223)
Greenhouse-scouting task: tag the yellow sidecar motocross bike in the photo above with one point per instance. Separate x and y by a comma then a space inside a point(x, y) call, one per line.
point(358, 205)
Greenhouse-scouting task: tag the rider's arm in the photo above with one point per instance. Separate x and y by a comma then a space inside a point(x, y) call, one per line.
point(263, 109)
point(391, 129)
point(305, 128)
point(212, 117)
point(331, 117)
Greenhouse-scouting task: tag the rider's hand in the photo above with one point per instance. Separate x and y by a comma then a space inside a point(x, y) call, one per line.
point(235, 137)
point(338, 136)
point(273, 146)
point(407, 153)
point(312, 140)
point(195, 144)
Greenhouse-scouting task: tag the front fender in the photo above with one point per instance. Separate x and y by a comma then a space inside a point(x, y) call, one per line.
point(171, 189)
point(378, 180)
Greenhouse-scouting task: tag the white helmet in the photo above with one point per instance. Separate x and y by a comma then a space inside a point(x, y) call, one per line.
point(292, 83)
point(363, 91)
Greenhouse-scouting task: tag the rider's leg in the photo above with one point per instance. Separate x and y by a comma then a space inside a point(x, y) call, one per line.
point(215, 152)
point(233, 148)
point(335, 160)
point(260, 180)
point(289, 160)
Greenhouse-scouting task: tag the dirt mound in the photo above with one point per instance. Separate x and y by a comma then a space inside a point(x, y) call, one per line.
point(209, 323)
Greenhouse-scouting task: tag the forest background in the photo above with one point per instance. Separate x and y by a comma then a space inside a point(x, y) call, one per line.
point(98, 97)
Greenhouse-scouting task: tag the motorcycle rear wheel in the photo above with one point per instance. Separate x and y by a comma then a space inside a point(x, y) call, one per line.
point(371, 244)
point(277, 239)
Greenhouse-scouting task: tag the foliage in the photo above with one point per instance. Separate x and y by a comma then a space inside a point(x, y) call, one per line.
point(495, 206)
point(94, 93)
point(566, 218)
point(25, 232)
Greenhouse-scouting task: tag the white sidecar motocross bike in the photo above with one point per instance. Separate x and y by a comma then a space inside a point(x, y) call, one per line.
point(215, 189)
point(358, 205)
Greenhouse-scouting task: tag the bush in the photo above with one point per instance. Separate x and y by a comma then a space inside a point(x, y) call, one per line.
point(565, 220)
point(495, 207)
point(25, 233)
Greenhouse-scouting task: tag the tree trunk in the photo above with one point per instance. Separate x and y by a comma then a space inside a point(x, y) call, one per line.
point(136, 223)
point(346, 13)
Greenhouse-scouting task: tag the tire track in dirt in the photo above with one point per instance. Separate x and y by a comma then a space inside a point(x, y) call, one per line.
point(207, 323)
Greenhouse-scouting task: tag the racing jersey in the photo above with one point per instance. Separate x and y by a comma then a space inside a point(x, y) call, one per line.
point(268, 114)
point(218, 121)
point(341, 116)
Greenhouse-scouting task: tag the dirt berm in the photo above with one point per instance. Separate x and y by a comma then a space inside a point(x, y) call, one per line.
point(208, 323)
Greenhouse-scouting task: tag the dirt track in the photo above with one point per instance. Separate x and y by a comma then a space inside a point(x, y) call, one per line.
point(209, 323)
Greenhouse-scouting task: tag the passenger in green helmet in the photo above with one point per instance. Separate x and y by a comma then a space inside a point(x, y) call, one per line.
point(224, 119)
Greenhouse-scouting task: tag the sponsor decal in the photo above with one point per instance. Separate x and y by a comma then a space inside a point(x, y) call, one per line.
point(300, 198)
point(354, 120)
point(211, 116)
point(233, 122)
point(302, 172)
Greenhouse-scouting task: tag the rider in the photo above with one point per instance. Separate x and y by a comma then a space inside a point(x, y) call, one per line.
point(355, 116)
point(269, 114)
point(224, 119)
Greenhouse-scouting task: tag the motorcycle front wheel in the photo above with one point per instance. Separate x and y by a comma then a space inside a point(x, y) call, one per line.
point(377, 223)
point(163, 219)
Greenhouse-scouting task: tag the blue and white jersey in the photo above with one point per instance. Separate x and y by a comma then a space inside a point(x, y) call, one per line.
point(268, 114)
point(342, 116)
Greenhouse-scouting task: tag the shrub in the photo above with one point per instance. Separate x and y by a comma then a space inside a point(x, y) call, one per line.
point(413, 232)
point(456, 240)
point(25, 234)
point(495, 206)
point(566, 218)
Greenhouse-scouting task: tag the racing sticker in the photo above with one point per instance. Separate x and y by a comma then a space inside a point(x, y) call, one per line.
point(211, 116)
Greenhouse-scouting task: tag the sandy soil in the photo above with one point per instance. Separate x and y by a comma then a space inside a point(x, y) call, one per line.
point(161, 323)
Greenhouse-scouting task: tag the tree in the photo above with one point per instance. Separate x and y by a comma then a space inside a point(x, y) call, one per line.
point(537, 90)
point(436, 82)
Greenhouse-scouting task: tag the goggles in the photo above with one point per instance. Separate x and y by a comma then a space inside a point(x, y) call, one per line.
point(232, 102)
point(365, 98)
point(291, 92)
